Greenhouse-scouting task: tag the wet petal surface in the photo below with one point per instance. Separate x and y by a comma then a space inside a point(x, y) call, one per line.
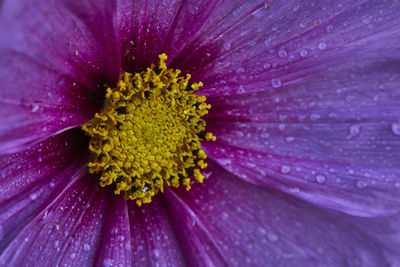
point(332, 139)
point(49, 75)
point(31, 179)
point(226, 221)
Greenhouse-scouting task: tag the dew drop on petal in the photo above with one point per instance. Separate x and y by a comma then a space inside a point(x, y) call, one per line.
point(361, 184)
point(276, 83)
point(240, 70)
point(156, 253)
point(315, 116)
point(52, 185)
point(262, 230)
point(56, 244)
point(86, 247)
point(72, 256)
point(267, 42)
point(285, 169)
point(193, 9)
point(322, 45)
point(34, 108)
point(272, 237)
point(33, 196)
point(227, 45)
point(107, 262)
point(282, 52)
point(329, 28)
point(354, 131)
point(303, 52)
point(289, 139)
point(396, 128)
point(266, 66)
point(320, 178)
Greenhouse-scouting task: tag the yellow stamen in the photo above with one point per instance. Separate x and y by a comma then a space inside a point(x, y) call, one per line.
point(148, 133)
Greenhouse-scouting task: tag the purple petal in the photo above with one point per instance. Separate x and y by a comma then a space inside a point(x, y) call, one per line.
point(262, 46)
point(225, 221)
point(332, 139)
point(149, 28)
point(31, 179)
point(66, 232)
point(49, 73)
point(115, 245)
point(140, 236)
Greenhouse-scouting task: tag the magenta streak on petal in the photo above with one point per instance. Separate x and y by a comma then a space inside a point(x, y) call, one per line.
point(115, 246)
point(158, 27)
point(49, 75)
point(66, 231)
point(328, 140)
point(257, 56)
point(203, 247)
point(153, 240)
point(31, 179)
point(252, 226)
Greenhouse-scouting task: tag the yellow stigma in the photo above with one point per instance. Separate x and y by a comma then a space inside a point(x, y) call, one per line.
point(148, 133)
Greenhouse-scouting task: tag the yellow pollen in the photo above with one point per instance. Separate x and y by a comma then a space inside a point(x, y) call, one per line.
point(148, 133)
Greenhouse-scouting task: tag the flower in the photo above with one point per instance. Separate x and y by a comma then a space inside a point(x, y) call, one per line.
point(305, 106)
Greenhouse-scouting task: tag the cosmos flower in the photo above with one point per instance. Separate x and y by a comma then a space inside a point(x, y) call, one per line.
point(305, 106)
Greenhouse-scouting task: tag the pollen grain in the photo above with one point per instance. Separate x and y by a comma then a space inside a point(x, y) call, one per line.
point(148, 133)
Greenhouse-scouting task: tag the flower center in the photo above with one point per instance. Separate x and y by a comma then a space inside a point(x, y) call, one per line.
point(148, 133)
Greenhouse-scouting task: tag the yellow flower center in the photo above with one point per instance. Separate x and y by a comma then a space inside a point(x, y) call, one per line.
point(148, 133)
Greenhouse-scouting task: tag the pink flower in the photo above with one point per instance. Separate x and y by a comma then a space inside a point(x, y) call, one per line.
point(305, 100)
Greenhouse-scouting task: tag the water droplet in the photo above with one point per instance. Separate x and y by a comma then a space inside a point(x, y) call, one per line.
point(396, 184)
point(322, 45)
point(396, 128)
point(264, 135)
point(320, 178)
point(107, 262)
point(367, 19)
point(239, 70)
point(267, 42)
point(52, 185)
point(225, 215)
point(193, 9)
point(315, 117)
point(227, 45)
point(272, 237)
point(361, 184)
point(285, 169)
point(282, 52)
point(72, 256)
point(86, 247)
point(34, 107)
point(33, 196)
point(156, 253)
point(276, 83)
point(303, 52)
point(289, 139)
point(354, 130)
point(266, 66)
point(262, 230)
